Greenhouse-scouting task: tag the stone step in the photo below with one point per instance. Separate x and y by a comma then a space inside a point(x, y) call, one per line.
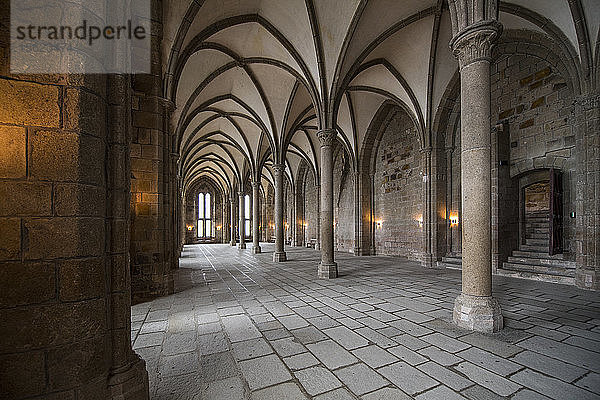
point(537, 215)
point(542, 262)
point(565, 280)
point(536, 222)
point(441, 264)
point(536, 248)
point(544, 236)
point(545, 230)
point(536, 254)
point(536, 225)
point(537, 242)
point(539, 269)
point(450, 262)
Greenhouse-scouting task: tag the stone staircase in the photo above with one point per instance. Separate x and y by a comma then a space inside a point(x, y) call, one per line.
point(451, 262)
point(532, 260)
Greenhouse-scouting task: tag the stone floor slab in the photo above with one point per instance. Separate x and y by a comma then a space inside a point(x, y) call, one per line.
point(360, 379)
point(232, 307)
point(264, 371)
point(317, 380)
point(407, 378)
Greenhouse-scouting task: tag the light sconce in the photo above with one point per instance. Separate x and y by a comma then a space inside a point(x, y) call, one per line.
point(419, 219)
point(454, 219)
point(218, 227)
point(378, 223)
point(190, 227)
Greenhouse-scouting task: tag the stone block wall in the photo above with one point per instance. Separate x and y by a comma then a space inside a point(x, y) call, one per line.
point(311, 215)
point(153, 177)
point(64, 279)
point(398, 191)
point(269, 213)
point(343, 202)
point(534, 101)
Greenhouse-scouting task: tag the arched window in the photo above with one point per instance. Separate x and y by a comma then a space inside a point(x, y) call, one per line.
point(247, 215)
point(204, 216)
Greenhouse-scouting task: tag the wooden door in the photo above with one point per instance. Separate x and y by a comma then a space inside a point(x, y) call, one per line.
point(556, 212)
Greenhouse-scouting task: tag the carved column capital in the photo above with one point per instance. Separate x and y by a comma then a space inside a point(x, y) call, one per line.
point(326, 137)
point(278, 168)
point(475, 43)
point(255, 184)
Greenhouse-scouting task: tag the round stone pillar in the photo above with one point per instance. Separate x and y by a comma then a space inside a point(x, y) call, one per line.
point(232, 219)
point(255, 217)
point(279, 254)
point(327, 267)
point(475, 308)
point(318, 243)
point(242, 222)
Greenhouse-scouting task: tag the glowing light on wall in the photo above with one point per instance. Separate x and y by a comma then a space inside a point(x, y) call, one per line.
point(218, 227)
point(378, 223)
point(190, 227)
point(453, 219)
point(419, 219)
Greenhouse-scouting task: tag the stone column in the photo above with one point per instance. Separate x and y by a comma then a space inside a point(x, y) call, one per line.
point(357, 215)
point(318, 244)
point(279, 254)
point(449, 205)
point(327, 267)
point(241, 222)
point(300, 217)
point(255, 217)
point(475, 308)
point(587, 201)
point(428, 215)
point(232, 219)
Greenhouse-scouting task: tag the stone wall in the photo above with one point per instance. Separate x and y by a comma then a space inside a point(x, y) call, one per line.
point(270, 214)
point(310, 208)
point(153, 177)
point(343, 201)
point(398, 190)
point(64, 279)
point(534, 101)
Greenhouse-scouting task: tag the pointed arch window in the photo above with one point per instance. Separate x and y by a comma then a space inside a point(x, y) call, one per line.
point(204, 216)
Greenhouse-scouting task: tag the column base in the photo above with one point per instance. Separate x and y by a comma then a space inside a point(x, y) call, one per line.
point(317, 247)
point(232, 244)
point(587, 279)
point(279, 256)
point(256, 250)
point(481, 314)
point(242, 246)
point(130, 384)
point(327, 271)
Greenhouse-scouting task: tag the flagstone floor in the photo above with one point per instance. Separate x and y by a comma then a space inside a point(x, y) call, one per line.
point(243, 327)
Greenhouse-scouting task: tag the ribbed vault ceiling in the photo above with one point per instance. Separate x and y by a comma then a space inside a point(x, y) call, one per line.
point(254, 80)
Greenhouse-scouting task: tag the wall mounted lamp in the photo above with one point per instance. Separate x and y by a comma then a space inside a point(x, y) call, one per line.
point(454, 219)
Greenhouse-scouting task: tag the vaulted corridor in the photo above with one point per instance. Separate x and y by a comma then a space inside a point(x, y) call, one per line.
point(240, 326)
point(281, 199)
